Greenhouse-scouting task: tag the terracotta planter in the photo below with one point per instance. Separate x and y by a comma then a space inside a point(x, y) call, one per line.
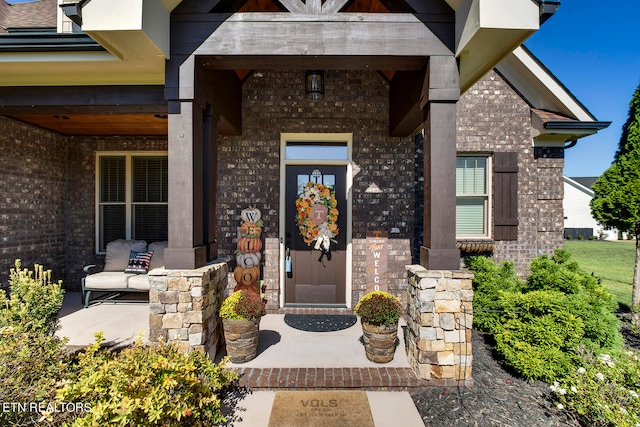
point(241, 337)
point(380, 341)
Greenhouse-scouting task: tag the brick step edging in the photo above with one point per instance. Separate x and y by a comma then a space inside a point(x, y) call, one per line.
point(337, 378)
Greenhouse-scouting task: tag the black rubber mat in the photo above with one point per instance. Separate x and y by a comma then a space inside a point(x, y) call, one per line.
point(320, 322)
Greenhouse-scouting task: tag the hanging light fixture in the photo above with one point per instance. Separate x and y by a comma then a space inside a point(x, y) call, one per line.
point(314, 84)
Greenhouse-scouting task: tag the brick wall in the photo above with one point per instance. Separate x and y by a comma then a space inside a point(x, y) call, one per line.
point(34, 174)
point(47, 182)
point(249, 165)
point(81, 223)
point(493, 117)
point(32, 198)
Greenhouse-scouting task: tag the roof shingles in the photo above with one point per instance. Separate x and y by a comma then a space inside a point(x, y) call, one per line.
point(35, 14)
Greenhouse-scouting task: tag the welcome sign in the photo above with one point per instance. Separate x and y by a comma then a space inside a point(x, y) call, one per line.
point(377, 255)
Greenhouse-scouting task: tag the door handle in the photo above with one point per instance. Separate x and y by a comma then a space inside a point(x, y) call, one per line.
point(288, 263)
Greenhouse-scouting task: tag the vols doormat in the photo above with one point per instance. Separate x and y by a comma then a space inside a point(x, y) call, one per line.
point(320, 322)
point(326, 408)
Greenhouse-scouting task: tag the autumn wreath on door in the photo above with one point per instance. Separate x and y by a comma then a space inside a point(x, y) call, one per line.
point(317, 217)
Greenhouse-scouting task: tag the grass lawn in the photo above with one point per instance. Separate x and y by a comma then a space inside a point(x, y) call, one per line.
point(610, 261)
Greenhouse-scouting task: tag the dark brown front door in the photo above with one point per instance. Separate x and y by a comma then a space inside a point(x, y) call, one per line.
point(315, 278)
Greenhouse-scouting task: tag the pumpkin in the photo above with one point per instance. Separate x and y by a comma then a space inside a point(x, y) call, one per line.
point(250, 214)
point(250, 244)
point(250, 229)
point(248, 260)
point(251, 288)
point(246, 276)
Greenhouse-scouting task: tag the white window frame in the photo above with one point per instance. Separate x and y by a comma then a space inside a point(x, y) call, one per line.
point(488, 217)
point(128, 155)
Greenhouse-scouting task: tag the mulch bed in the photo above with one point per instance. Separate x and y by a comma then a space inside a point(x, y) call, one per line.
point(499, 397)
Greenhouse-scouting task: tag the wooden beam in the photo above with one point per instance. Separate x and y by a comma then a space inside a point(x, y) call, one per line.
point(398, 34)
point(223, 90)
point(333, 62)
point(314, 6)
point(439, 251)
point(294, 6)
point(124, 97)
point(196, 6)
point(405, 114)
point(333, 6)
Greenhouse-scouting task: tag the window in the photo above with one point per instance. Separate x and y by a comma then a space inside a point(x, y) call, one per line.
point(132, 197)
point(472, 196)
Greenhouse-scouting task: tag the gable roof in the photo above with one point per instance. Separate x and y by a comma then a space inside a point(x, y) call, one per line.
point(579, 186)
point(38, 14)
point(586, 181)
point(557, 115)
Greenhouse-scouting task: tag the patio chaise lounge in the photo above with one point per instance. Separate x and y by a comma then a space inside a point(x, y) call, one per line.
point(125, 270)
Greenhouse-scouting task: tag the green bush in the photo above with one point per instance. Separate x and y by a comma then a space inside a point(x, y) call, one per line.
point(604, 390)
point(32, 359)
point(539, 323)
point(147, 385)
point(33, 302)
point(490, 279)
point(538, 334)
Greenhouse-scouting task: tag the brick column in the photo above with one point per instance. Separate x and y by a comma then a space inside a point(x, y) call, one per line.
point(440, 318)
point(184, 306)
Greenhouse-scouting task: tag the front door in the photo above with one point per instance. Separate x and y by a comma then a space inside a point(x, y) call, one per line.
point(316, 276)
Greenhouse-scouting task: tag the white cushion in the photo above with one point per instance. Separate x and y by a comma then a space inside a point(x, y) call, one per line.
point(118, 252)
point(157, 260)
point(139, 281)
point(108, 280)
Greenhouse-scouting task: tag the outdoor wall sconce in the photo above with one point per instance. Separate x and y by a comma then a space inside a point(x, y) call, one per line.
point(314, 84)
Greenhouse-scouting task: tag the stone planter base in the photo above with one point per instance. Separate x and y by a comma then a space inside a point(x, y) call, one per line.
point(380, 341)
point(241, 337)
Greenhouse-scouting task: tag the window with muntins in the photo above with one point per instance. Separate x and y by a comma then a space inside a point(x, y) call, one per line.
point(132, 198)
point(472, 196)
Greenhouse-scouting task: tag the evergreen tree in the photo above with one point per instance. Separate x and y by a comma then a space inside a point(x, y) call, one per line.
point(616, 203)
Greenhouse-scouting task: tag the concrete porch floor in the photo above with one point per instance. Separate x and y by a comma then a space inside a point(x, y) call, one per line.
point(280, 346)
point(287, 359)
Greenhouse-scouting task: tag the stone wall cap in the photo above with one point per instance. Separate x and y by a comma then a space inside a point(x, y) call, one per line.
point(196, 272)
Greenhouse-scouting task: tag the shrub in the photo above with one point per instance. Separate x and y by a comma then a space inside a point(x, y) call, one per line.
point(379, 308)
point(569, 237)
point(32, 359)
point(33, 302)
point(242, 304)
point(490, 279)
point(537, 335)
point(538, 324)
point(581, 237)
point(147, 385)
point(603, 390)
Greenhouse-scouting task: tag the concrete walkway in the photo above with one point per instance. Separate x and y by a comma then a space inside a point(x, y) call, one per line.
point(287, 359)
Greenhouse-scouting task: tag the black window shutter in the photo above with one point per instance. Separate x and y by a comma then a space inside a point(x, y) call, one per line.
point(505, 202)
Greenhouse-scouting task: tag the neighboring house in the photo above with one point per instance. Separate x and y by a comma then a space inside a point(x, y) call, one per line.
point(438, 129)
point(578, 220)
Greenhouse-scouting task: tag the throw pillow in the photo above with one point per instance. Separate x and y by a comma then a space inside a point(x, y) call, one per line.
point(139, 262)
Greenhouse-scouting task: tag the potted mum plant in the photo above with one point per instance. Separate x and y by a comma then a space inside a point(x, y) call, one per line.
point(379, 313)
point(241, 313)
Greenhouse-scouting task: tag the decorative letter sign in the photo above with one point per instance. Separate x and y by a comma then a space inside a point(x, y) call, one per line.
point(376, 261)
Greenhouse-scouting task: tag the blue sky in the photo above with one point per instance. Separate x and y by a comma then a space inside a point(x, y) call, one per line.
point(593, 48)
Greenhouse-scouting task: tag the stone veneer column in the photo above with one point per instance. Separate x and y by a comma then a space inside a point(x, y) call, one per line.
point(184, 306)
point(440, 318)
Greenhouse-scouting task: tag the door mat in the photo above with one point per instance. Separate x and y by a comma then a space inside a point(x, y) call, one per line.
point(326, 408)
point(320, 322)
